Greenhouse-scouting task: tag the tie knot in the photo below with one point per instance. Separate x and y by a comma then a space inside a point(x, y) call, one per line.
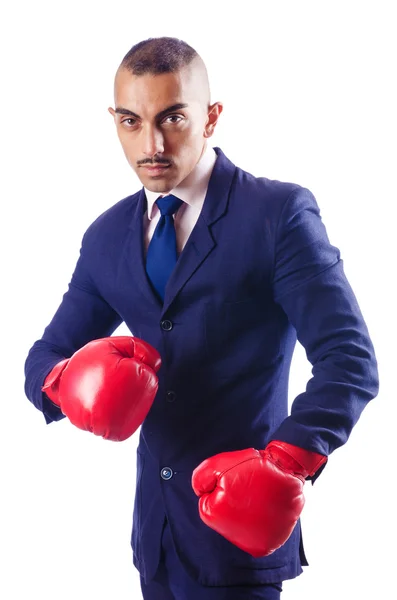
point(168, 205)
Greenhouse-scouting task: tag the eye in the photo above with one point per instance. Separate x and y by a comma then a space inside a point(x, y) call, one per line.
point(173, 119)
point(130, 122)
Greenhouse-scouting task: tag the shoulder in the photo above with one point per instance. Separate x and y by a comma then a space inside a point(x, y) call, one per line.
point(272, 195)
point(115, 220)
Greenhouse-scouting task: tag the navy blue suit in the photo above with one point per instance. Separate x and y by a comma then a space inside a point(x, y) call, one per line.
point(257, 272)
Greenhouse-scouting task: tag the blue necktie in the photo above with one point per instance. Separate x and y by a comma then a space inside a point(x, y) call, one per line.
point(162, 254)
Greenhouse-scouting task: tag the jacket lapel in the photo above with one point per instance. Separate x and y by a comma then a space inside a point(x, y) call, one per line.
point(201, 241)
point(135, 255)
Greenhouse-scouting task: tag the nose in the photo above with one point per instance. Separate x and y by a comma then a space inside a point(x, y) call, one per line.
point(153, 141)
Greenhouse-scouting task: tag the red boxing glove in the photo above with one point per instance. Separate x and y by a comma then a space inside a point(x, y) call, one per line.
point(255, 497)
point(107, 387)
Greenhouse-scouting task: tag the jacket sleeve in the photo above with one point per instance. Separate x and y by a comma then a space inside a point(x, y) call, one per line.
point(82, 316)
point(310, 285)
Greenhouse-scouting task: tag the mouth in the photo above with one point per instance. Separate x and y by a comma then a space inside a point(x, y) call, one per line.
point(155, 169)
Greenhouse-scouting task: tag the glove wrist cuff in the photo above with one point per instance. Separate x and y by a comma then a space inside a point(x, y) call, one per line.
point(51, 382)
point(305, 462)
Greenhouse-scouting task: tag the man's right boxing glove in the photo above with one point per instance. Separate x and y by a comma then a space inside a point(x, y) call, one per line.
point(107, 386)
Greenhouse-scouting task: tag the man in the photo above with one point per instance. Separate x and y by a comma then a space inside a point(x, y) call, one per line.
point(216, 273)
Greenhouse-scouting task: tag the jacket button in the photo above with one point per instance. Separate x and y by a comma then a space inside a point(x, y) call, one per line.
point(171, 396)
point(166, 473)
point(166, 325)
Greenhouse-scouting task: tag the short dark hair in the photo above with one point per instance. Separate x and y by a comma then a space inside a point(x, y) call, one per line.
point(158, 55)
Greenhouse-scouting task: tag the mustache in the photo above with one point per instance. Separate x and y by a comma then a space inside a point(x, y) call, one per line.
point(153, 161)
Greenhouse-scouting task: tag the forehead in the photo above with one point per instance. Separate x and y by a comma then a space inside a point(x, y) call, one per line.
point(151, 93)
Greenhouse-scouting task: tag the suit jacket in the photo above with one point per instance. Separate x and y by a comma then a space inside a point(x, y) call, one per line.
point(258, 272)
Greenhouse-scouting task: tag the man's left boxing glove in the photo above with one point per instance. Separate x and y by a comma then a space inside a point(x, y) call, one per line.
point(254, 497)
point(107, 386)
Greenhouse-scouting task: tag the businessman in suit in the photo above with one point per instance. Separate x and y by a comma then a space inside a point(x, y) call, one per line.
point(216, 273)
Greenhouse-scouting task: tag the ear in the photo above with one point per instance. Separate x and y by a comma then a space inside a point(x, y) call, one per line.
point(214, 112)
point(112, 111)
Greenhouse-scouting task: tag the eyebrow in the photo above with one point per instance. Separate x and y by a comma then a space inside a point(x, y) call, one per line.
point(124, 111)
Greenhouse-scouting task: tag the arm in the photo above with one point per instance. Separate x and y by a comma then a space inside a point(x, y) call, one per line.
point(311, 287)
point(255, 497)
point(82, 316)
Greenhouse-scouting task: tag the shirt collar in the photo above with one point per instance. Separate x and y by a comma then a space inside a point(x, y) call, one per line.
point(193, 188)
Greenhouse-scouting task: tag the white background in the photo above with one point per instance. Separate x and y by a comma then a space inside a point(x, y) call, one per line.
point(308, 95)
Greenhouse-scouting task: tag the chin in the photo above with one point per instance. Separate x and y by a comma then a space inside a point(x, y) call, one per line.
point(161, 187)
point(160, 184)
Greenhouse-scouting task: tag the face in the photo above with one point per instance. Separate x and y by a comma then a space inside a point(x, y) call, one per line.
point(163, 122)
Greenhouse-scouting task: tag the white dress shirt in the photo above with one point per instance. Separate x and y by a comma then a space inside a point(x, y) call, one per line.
point(192, 190)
